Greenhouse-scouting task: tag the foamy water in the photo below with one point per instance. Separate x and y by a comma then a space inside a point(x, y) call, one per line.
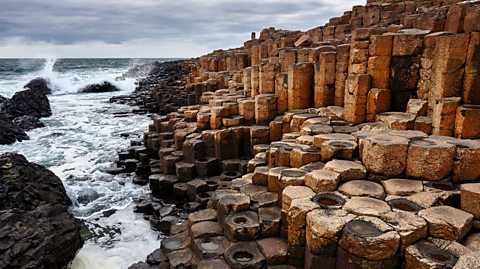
point(79, 141)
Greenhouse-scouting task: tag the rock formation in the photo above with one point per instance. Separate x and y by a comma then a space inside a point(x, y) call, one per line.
point(39, 84)
point(10, 132)
point(101, 87)
point(350, 145)
point(23, 111)
point(36, 229)
point(27, 102)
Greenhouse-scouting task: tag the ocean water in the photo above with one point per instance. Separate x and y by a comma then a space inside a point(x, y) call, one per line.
point(79, 141)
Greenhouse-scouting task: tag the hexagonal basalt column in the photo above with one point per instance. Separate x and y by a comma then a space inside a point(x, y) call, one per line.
point(338, 149)
point(385, 154)
point(242, 226)
point(370, 241)
point(322, 180)
point(424, 254)
point(446, 222)
point(362, 188)
point(348, 170)
point(430, 160)
point(245, 255)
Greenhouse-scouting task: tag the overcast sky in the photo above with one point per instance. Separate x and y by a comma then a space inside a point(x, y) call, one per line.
point(148, 28)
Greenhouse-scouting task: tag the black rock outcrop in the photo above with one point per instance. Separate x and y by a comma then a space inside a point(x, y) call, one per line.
point(100, 87)
point(28, 123)
point(36, 229)
point(39, 84)
point(27, 102)
point(10, 132)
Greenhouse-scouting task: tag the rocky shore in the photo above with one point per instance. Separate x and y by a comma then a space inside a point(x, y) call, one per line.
point(36, 231)
point(351, 145)
point(23, 111)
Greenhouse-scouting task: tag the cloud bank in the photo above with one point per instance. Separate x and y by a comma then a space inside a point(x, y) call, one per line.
point(148, 28)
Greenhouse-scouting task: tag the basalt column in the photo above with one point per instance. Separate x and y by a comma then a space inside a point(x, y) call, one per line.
point(404, 67)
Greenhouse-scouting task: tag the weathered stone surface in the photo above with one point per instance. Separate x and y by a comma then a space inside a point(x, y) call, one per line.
point(348, 170)
point(322, 180)
point(203, 215)
point(269, 218)
point(300, 84)
point(430, 160)
point(370, 238)
point(338, 149)
point(37, 229)
point(245, 255)
point(274, 250)
point(417, 107)
point(470, 261)
point(378, 101)
point(296, 220)
point(402, 187)
point(470, 199)
point(322, 138)
point(410, 227)
point(397, 120)
point(467, 120)
point(366, 206)
point(242, 226)
point(180, 258)
point(291, 193)
point(362, 188)
point(446, 222)
point(385, 154)
point(424, 254)
point(213, 264)
point(324, 228)
point(206, 229)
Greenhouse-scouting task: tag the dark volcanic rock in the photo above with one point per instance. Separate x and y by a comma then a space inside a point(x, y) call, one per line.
point(28, 102)
point(2, 99)
point(101, 87)
point(10, 132)
point(36, 229)
point(39, 84)
point(28, 122)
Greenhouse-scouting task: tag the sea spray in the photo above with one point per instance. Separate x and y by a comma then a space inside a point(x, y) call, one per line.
point(80, 141)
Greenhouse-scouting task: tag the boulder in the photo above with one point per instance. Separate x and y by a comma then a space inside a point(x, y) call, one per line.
point(28, 123)
point(37, 229)
point(99, 87)
point(39, 84)
point(2, 99)
point(28, 102)
point(10, 132)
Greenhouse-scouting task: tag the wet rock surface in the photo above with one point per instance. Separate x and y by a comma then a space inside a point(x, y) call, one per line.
point(37, 231)
point(10, 132)
point(27, 102)
point(22, 112)
point(98, 88)
point(39, 84)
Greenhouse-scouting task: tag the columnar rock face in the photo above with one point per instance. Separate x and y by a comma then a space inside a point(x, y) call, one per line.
point(344, 145)
point(300, 85)
point(36, 227)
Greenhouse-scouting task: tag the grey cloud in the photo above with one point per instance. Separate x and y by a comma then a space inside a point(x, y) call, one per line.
point(213, 23)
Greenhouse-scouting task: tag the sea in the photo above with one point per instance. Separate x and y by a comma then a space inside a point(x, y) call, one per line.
point(81, 139)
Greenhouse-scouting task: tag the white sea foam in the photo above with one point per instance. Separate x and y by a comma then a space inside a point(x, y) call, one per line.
point(81, 140)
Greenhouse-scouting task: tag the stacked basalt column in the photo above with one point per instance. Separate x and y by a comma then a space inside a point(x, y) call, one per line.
point(289, 176)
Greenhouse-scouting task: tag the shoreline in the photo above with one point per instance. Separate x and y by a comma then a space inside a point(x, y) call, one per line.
point(351, 145)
